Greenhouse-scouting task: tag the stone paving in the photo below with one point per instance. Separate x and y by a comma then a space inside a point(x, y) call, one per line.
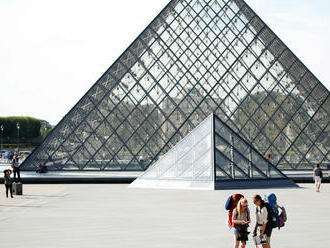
point(108, 215)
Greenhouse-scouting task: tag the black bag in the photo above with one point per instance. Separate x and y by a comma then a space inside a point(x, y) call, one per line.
point(318, 172)
point(243, 234)
point(272, 217)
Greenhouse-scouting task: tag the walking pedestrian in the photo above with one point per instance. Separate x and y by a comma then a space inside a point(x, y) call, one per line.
point(15, 165)
point(10, 156)
point(8, 183)
point(262, 222)
point(317, 177)
point(241, 221)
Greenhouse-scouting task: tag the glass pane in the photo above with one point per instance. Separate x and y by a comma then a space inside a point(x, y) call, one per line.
point(190, 159)
point(196, 58)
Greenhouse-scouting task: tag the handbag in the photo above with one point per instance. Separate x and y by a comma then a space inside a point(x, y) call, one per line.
point(258, 241)
point(243, 234)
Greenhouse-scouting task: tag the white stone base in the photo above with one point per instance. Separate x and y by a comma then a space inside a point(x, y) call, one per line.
point(172, 184)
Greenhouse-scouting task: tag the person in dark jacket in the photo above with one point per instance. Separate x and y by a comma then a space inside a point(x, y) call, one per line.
point(8, 183)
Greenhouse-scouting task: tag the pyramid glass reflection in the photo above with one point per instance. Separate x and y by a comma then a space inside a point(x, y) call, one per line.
point(211, 157)
point(197, 57)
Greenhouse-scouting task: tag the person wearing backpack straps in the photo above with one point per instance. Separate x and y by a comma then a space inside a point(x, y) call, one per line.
point(262, 221)
point(278, 213)
point(241, 221)
point(317, 177)
point(230, 205)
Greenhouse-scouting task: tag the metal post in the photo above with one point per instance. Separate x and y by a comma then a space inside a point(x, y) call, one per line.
point(232, 156)
point(17, 125)
point(250, 163)
point(268, 158)
point(268, 169)
point(2, 155)
point(1, 136)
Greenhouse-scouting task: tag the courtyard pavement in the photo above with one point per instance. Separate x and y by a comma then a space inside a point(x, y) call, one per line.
point(106, 215)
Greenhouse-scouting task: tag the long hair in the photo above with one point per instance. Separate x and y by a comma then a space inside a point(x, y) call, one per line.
point(240, 208)
point(258, 198)
point(5, 174)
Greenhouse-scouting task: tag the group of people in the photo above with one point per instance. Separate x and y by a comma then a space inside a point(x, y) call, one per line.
point(8, 181)
point(7, 155)
point(240, 219)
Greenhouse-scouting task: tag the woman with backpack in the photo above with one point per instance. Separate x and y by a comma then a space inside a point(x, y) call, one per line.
point(262, 222)
point(241, 221)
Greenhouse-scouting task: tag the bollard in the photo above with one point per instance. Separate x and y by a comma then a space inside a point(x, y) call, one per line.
point(17, 188)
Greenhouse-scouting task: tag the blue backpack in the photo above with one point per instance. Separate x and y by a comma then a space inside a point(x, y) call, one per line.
point(275, 219)
point(232, 201)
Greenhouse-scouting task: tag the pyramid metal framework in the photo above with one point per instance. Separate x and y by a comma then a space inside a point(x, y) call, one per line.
point(195, 58)
point(212, 156)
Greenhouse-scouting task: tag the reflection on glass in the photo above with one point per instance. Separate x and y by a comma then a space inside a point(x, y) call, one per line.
point(196, 58)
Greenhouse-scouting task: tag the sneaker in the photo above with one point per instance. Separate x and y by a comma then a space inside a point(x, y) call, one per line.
point(12, 197)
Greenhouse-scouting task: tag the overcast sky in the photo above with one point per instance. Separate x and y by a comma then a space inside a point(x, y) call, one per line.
point(52, 52)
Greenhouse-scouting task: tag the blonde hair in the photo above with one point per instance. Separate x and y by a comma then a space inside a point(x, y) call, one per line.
point(240, 209)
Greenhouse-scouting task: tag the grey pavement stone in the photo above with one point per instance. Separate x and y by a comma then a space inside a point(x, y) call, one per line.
point(116, 216)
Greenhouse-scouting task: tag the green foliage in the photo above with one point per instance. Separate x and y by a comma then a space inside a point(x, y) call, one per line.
point(31, 130)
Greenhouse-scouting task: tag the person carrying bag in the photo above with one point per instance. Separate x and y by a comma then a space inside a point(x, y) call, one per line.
point(263, 223)
point(241, 221)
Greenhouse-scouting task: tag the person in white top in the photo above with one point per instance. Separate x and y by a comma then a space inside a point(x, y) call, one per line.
point(262, 220)
point(16, 166)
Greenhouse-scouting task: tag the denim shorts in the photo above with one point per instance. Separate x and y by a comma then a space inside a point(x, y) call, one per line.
point(242, 234)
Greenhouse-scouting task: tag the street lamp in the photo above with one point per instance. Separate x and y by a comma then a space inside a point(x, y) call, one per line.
point(1, 128)
point(17, 125)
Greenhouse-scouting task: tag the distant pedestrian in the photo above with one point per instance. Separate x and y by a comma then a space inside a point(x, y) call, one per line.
point(15, 165)
point(42, 168)
point(241, 221)
point(317, 177)
point(8, 183)
point(10, 156)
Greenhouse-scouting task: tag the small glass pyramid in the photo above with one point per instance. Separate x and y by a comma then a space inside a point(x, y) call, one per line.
point(212, 156)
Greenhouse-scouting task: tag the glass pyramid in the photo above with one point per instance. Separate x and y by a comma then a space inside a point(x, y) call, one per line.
point(212, 156)
point(197, 57)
